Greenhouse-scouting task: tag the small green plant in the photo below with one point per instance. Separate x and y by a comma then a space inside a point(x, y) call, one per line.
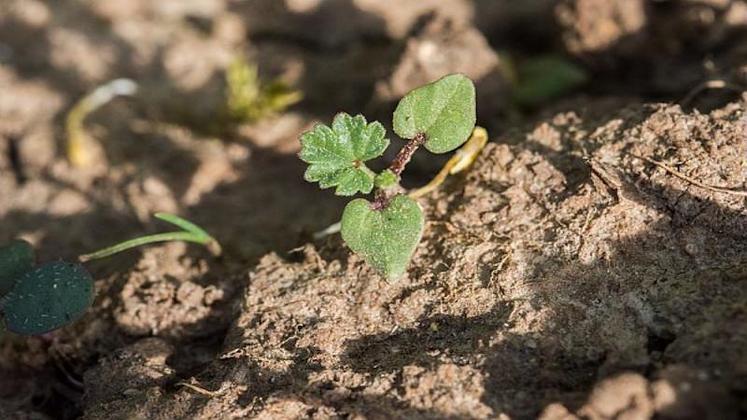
point(39, 299)
point(439, 116)
point(248, 99)
point(538, 80)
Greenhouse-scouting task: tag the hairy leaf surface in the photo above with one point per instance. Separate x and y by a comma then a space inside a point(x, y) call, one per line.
point(443, 110)
point(336, 154)
point(47, 298)
point(385, 238)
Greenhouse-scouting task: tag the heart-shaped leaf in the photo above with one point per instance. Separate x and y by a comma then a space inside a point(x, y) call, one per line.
point(336, 155)
point(385, 238)
point(47, 298)
point(443, 110)
point(16, 258)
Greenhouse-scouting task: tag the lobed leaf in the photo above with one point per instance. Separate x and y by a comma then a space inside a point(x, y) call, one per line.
point(385, 238)
point(443, 110)
point(335, 155)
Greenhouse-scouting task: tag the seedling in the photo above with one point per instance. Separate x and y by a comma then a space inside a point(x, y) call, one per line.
point(385, 232)
point(537, 80)
point(37, 300)
point(79, 143)
point(462, 159)
point(248, 99)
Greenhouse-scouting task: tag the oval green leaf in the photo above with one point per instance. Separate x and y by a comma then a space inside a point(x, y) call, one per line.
point(386, 238)
point(443, 110)
point(47, 298)
point(16, 258)
point(545, 78)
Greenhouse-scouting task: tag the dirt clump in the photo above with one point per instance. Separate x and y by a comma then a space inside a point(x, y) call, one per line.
point(666, 47)
point(443, 47)
point(594, 26)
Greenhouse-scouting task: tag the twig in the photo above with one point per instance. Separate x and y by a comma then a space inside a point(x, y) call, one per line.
point(695, 182)
point(708, 84)
point(200, 390)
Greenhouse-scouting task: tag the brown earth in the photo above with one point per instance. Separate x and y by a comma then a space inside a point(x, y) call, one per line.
point(571, 273)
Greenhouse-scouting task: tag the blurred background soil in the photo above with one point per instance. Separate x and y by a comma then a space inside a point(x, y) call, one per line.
point(573, 272)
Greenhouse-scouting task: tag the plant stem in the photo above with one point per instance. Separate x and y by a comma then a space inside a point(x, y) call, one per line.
point(381, 198)
point(405, 154)
point(462, 159)
point(78, 142)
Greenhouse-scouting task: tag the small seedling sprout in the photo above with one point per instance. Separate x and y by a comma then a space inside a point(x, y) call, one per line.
point(248, 99)
point(189, 233)
point(462, 159)
point(79, 143)
point(385, 232)
point(536, 80)
point(38, 299)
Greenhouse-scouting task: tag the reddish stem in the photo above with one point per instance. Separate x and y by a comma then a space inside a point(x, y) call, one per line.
point(381, 198)
point(405, 154)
